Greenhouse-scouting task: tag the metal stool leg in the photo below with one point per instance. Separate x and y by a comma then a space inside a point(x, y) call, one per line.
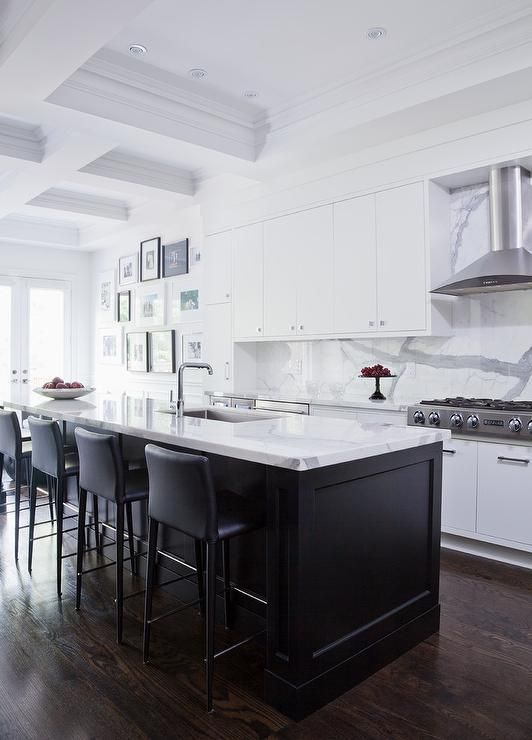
point(49, 486)
point(18, 475)
point(131, 540)
point(211, 615)
point(80, 549)
point(33, 504)
point(153, 527)
point(119, 604)
point(59, 487)
point(227, 584)
point(97, 535)
point(199, 570)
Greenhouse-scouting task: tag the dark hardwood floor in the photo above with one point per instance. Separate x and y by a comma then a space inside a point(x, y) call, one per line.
point(63, 676)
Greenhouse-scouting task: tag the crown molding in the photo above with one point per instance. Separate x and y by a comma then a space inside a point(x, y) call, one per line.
point(88, 205)
point(21, 141)
point(117, 165)
point(154, 100)
point(29, 230)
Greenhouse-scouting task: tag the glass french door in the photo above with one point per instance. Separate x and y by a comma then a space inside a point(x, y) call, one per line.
point(35, 332)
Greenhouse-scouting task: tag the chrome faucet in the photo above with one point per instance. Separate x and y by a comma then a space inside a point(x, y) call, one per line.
point(198, 365)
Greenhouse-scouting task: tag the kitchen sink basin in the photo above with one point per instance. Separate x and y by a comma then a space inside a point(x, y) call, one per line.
point(229, 415)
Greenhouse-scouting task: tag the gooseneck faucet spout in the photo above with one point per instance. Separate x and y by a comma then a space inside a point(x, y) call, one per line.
point(199, 366)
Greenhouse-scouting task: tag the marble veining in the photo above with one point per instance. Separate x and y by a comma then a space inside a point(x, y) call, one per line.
point(489, 354)
point(294, 442)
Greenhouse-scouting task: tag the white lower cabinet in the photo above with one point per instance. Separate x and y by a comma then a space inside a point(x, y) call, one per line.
point(459, 486)
point(505, 492)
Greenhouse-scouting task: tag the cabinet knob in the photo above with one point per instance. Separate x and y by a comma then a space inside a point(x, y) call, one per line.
point(382, 323)
point(292, 328)
point(228, 295)
point(371, 323)
point(259, 329)
point(301, 327)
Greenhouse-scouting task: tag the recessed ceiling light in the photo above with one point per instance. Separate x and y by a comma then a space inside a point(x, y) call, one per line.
point(250, 93)
point(197, 73)
point(137, 50)
point(375, 33)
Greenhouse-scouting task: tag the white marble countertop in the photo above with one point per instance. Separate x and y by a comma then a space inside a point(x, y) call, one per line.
point(354, 403)
point(294, 441)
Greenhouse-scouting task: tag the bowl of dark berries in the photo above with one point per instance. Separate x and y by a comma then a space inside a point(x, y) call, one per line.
point(377, 372)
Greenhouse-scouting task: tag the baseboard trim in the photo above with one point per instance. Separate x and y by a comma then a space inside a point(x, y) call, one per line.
point(487, 550)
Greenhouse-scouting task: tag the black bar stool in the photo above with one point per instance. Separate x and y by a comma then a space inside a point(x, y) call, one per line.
point(49, 457)
point(102, 472)
point(183, 497)
point(12, 446)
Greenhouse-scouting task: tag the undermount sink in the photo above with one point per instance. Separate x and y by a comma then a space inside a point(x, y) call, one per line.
point(228, 415)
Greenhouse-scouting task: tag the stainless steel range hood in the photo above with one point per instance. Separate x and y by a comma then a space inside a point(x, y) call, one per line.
point(508, 266)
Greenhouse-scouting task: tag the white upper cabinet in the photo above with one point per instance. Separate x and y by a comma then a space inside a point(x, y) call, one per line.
point(298, 274)
point(248, 295)
point(355, 266)
point(217, 258)
point(401, 259)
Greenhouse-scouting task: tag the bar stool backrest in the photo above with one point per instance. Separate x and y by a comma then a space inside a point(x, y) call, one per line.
point(10, 435)
point(182, 493)
point(101, 469)
point(47, 446)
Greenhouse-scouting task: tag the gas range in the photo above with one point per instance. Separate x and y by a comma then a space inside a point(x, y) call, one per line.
point(475, 416)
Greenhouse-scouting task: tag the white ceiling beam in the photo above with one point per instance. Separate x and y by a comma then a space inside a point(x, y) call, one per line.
point(75, 152)
point(27, 230)
point(53, 39)
point(116, 165)
point(58, 199)
point(21, 141)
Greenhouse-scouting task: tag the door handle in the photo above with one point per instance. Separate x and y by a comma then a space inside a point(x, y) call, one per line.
point(523, 460)
point(227, 373)
point(450, 452)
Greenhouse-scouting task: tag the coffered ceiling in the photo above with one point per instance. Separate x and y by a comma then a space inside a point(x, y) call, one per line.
point(94, 140)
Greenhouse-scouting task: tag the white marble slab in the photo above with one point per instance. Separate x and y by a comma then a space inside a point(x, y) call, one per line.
point(294, 442)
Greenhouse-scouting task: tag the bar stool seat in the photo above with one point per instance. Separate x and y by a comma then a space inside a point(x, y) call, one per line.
point(237, 514)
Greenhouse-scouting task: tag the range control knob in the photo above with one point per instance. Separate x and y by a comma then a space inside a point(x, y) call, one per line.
point(530, 427)
point(419, 417)
point(473, 421)
point(434, 418)
point(456, 420)
point(515, 424)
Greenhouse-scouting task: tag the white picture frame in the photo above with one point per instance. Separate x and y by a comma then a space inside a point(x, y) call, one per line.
point(192, 346)
point(128, 269)
point(150, 307)
point(185, 303)
point(106, 297)
point(110, 346)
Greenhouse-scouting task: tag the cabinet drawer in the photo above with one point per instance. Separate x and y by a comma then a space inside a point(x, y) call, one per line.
point(505, 492)
point(459, 486)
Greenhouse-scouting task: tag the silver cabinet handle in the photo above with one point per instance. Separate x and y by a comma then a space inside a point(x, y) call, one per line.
point(450, 452)
point(371, 323)
point(382, 323)
point(523, 460)
point(227, 375)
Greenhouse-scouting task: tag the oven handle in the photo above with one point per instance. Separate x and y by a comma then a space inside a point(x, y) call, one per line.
point(523, 460)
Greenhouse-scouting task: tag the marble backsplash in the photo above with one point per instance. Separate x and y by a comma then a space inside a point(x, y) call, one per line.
point(489, 354)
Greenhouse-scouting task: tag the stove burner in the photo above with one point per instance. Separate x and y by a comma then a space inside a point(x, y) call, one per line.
point(481, 403)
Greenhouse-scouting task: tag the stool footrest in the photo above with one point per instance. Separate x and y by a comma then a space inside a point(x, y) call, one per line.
point(174, 611)
point(238, 644)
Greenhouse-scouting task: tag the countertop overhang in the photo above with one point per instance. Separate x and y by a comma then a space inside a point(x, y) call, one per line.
point(294, 442)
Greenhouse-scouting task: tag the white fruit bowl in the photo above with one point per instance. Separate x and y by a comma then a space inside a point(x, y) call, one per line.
point(63, 393)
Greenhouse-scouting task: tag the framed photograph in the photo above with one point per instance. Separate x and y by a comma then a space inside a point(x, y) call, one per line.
point(110, 345)
point(175, 258)
point(149, 308)
point(184, 304)
point(128, 269)
point(192, 346)
point(105, 297)
point(162, 351)
point(123, 306)
point(150, 259)
point(137, 351)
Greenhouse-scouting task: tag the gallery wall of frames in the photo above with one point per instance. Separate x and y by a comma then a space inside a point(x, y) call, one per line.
point(149, 308)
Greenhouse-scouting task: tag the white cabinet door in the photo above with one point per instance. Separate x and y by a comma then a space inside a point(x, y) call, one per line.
point(313, 234)
point(280, 276)
point(355, 266)
point(248, 277)
point(505, 492)
point(218, 346)
point(401, 271)
point(459, 486)
point(217, 261)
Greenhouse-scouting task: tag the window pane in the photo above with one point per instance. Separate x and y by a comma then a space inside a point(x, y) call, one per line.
point(5, 339)
point(46, 334)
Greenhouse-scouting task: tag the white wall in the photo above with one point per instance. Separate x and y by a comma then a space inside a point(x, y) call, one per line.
point(183, 224)
point(22, 260)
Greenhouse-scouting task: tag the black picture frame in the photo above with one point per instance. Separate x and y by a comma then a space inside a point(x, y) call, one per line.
point(150, 249)
point(137, 365)
point(175, 259)
point(169, 367)
point(123, 295)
